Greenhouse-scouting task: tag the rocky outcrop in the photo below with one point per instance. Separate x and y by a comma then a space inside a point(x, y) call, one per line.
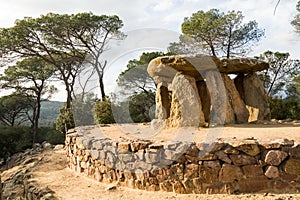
point(20, 184)
point(227, 166)
point(206, 79)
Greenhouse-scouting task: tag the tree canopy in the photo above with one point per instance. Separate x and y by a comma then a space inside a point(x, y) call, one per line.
point(296, 21)
point(30, 77)
point(218, 33)
point(281, 72)
point(136, 78)
point(63, 40)
point(15, 109)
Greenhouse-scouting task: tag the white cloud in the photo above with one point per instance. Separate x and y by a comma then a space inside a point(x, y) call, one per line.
point(163, 5)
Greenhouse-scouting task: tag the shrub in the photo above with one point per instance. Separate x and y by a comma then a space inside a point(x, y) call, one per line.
point(103, 112)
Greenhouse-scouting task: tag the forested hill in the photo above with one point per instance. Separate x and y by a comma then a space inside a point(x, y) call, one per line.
point(49, 113)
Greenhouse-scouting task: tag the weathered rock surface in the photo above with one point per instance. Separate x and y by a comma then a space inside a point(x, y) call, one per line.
point(186, 107)
point(218, 97)
point(20, 184)
point(238, 113)
point(275, 157)
point(163, 101)
point(256, 98)
point(220, 100)
point(164, 68)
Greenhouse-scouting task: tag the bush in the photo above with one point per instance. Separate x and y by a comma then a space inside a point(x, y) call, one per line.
point(141, 107)
point(288, 108)
point(50, 135)
point(14, 139)
point(103, 112)
point(65, 120)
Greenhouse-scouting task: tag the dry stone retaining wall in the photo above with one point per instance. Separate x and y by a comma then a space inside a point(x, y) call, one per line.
point(230, 166)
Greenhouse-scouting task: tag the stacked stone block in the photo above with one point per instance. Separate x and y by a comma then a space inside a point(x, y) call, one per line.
point(226, 166)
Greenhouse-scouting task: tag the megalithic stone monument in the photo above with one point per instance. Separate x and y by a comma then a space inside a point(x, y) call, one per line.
point(196, 90)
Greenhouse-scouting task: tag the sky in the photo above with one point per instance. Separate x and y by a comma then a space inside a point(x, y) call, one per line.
point(152, 25)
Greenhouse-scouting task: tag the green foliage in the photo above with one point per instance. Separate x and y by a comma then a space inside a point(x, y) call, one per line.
point(281, 72)
point(10, 140)
point(30, 77)
point(15, 109)
point(296, 21)
point(142, 106)
point(65, 119)
point(17, 138)
point(52, 136)
point(103, 112)
point(219, 33)
point(136, 78)
point(288, 108)
point(61, 40)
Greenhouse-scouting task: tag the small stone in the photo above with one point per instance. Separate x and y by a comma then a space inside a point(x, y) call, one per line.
point(229, 173)
point(207, 156)
point(272, 172)
point(124, 147)
point(46, 146)
point(97, 145)
point(166, 186)
point(125, 157)
point(58, 147)
point(252, 170)
point(140, 145)
point(224, 157)
point(191, 171)
point(95, 154)
point(292, 166)
point(178, 188)
point(151, 157)
point(275, 157)
point(110, 188)
point(295, 152)
point(215, 164)
point(240, 160)
point(231, 150)
point(171, 155)
point(208, 175)
point(250, 147)
point(110, 160)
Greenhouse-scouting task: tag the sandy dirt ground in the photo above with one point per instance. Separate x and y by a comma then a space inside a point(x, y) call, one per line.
point(52, 171)
point(242, 131)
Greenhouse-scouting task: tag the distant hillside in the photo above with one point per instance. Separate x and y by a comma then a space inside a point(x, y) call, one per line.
point(49, 113)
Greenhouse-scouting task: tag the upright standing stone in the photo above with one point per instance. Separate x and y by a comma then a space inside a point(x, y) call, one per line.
point(236, 103)
point(217, 93)
point(256, 98)
point(186, 107)
point(205, 99)
point(163, 102)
